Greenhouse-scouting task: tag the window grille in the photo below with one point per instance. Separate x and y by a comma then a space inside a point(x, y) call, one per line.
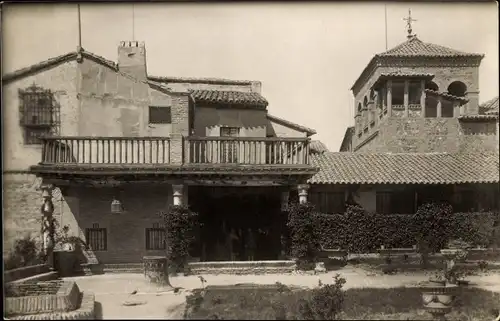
point(155, 238)
point(160, 115)
point(96, 238)
point(38, 113)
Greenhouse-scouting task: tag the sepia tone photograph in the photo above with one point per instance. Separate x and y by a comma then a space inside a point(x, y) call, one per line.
point(267, 160)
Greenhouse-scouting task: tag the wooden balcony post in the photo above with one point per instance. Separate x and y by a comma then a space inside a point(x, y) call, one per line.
point(177, 193)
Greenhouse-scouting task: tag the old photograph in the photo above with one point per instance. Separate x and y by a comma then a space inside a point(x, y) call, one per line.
point(267, 160)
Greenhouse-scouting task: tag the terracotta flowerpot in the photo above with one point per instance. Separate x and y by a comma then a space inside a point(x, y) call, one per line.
point(438, 300)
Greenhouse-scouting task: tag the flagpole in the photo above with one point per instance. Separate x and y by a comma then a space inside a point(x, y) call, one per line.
point(79, 28)
point(133, 22)
point(385, 13)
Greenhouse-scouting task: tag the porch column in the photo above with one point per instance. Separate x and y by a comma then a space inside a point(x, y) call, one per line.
point(439, 111)
point(177, 194)
point(406, 97)
point(303, 188)
point(422, 98)
point(48, 226)
point(389, 98)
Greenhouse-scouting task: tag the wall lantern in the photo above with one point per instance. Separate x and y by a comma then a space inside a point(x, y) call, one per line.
point(116, 206)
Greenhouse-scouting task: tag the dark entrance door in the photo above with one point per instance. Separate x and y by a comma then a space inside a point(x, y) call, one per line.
point(238, 211)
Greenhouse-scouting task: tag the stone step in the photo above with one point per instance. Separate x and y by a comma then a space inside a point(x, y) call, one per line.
point(242, 264)
point(242, 267)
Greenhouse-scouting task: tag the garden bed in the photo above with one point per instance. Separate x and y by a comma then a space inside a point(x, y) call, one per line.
point(278, 302)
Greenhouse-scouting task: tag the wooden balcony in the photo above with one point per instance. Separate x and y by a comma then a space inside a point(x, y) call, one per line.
point(246, 150)
point(106, 150)
point(159, 156)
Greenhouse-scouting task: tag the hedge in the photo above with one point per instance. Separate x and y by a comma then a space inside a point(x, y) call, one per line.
point(362, 232)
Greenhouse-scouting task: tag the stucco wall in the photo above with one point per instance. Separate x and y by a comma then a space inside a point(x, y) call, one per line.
point(114, 105)
point(278, 130)
point(62, 81)
point(201, 86)
point(208, 121)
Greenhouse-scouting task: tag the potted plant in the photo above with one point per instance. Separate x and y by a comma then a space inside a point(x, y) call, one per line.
point(66, 251)
point(439, 293)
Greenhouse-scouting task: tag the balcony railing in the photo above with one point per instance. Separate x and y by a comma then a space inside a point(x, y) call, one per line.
point(246, 150)
point(106, 150)
point(157, 150)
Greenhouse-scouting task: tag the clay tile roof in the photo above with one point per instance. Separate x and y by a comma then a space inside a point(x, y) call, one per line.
point(318, 147)
point(416, 47)
point(229, 98)
point(292, 125)
point(405, 168)
point(446, 95)
point(490, 107)
point(488, 117)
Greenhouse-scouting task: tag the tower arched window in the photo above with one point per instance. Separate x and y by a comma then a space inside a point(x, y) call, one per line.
point(457, 88)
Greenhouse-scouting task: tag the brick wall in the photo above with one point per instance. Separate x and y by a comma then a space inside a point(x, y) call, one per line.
point(126, 238)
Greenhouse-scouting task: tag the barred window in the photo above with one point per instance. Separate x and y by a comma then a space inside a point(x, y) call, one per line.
point(160, 115)
point(96, 238)
point(38, 113)
point(328, 202)
point(155, 238)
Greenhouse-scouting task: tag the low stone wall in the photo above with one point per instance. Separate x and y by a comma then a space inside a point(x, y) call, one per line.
point(86, 311)
point(41, 297)
point(25, 272)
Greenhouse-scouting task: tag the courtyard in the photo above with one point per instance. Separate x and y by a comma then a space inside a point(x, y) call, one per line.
point(114, 298)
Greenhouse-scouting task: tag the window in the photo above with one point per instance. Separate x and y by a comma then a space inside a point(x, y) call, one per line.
point(328, 202)
point(160, 115)
point(155, 238)
point(383, 202)
point(229, 148)
point(464, 201)
point(430, 108)
point(96, 238)
point(446, 109)
point(38, 114)
point(398, 93)
point(414, 93)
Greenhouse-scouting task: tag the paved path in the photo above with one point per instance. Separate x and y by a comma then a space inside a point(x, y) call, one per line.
point(111, 290)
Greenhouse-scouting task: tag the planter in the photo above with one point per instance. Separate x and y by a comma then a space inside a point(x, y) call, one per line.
point(438, 300)
point(65, 262)
point(437, 282)
point(155, 269)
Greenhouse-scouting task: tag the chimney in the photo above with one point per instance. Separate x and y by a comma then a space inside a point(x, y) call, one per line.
point(132, 59)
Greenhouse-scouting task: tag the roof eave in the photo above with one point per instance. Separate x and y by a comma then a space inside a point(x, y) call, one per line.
point(284, 122)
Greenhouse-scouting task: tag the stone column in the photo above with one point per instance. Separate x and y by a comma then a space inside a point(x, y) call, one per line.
point(303, 189)
point(422, 98)
point(177, 194)
point(439, 111)
point(406, 97)
point(48, 224)
point(389, 98)
point(456, 109)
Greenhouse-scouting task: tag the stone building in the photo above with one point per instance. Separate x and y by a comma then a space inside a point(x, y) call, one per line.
point(420, 134)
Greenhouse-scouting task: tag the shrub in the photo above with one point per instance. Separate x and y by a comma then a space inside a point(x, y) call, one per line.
point(180, 227)
point(325, 303)
point(303, 238)
point(432, 223)
point(25, 252)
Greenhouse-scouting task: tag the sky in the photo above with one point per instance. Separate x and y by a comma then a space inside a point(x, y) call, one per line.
point(307, 55)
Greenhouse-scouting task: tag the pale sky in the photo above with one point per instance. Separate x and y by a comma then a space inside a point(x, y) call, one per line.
point(307, 55)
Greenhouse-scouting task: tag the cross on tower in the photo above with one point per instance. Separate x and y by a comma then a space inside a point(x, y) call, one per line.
point(409, 20)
